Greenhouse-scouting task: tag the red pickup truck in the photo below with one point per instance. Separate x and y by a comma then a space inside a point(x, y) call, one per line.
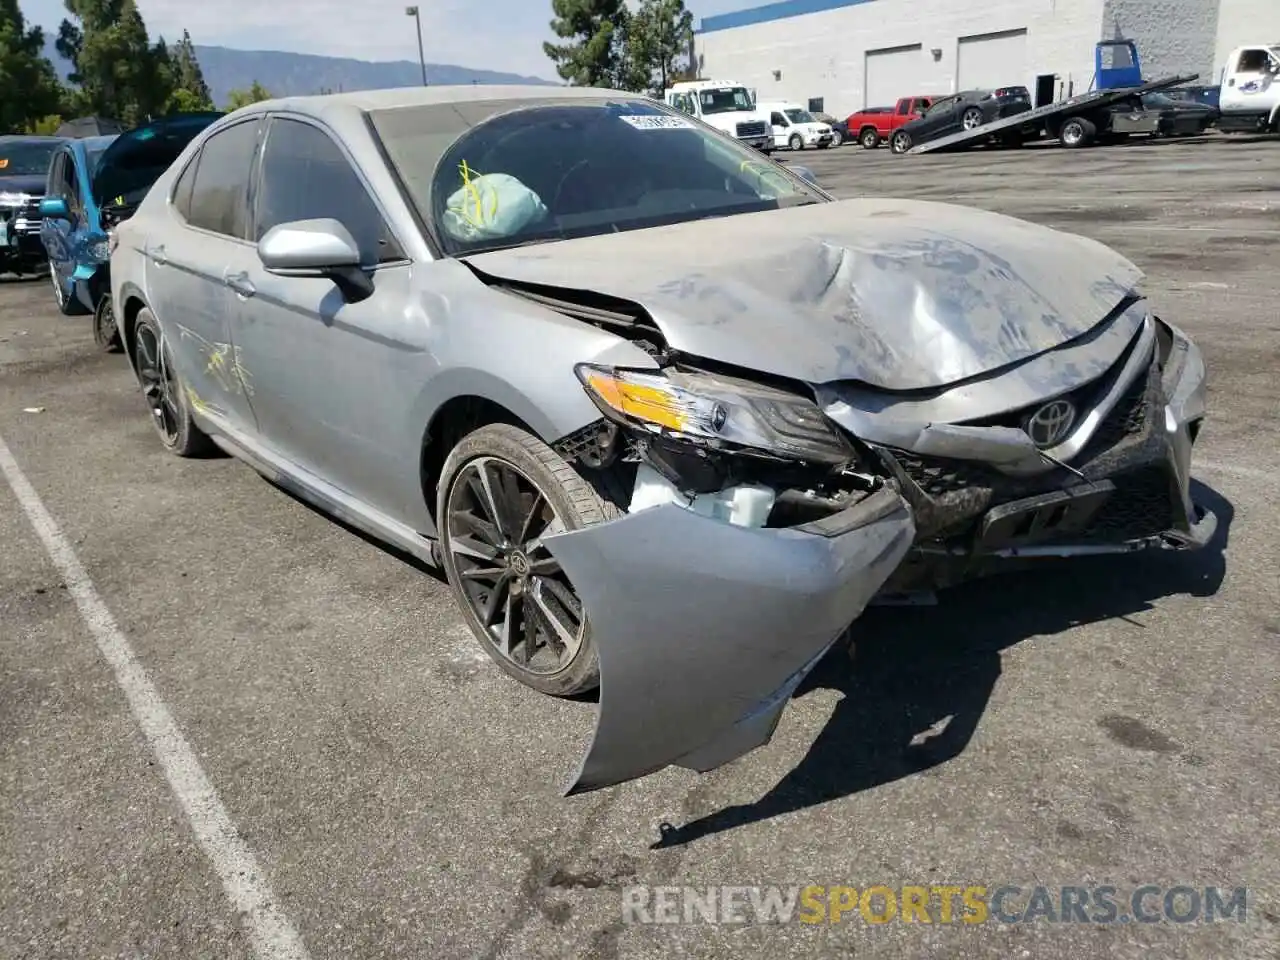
point(873, 126)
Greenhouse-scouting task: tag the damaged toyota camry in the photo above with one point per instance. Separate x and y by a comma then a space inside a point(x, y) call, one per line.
point(667, 414)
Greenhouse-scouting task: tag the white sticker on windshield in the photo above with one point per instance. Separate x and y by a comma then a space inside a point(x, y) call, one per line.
point(656, 123)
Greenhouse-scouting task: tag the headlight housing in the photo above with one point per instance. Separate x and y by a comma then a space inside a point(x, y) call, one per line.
point(100, 249)
point(716, 411)
point(8, 199)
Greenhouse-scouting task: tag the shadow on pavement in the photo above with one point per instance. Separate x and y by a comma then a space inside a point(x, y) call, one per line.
point(922, 677)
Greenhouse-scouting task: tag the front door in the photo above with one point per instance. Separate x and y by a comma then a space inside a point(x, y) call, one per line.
point(187, 267)
point(59, 236)
point(1251, 84)
point(340, 372)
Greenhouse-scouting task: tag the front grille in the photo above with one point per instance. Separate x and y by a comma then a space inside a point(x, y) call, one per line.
point(1142, 506)
point(755, 129)
point(27, 218)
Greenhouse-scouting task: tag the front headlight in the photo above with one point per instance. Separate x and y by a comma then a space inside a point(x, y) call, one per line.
point(100, 249)
point(14, 199)
point(716, 411)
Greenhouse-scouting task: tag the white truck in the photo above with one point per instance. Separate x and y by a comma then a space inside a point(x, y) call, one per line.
point(727, 106)
point(1249, 98)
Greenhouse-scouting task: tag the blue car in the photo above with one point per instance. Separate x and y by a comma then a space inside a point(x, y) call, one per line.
point(93, 184)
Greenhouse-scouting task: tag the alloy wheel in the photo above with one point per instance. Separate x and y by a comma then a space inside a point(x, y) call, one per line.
point(1072, 133)
point(797, 143)
point(972, 118)
point(105, 331)
point(496, 520)
point(901, 143)
point(870, 139)
point(159, 384)
point(59, 293)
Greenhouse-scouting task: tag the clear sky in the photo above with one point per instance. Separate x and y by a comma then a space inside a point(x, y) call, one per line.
point(494, 34)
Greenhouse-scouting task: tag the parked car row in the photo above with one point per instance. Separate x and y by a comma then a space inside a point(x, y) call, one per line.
point(61, 197)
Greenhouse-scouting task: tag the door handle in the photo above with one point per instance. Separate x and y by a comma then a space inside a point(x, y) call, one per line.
point(239, 282)
point(157, 255)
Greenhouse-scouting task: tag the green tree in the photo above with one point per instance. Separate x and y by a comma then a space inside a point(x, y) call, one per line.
point(658, 41)
point(190, 92)
point(242, 98)
point(593, 53)
point(29, 87)
point(118, 73)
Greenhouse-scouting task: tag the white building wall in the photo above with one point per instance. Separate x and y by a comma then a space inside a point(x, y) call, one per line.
point(1244, 22)
point(823, 54)
point(1173, 36)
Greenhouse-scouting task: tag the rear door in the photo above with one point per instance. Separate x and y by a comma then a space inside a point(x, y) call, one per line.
point(187, 271)
point(333, 379)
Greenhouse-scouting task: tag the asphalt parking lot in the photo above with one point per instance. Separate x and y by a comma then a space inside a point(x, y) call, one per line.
point(388, 793)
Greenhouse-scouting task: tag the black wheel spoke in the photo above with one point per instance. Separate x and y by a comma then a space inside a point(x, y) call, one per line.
point(494, 520)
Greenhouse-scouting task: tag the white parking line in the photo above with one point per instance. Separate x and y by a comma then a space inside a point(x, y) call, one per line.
point(272, 933)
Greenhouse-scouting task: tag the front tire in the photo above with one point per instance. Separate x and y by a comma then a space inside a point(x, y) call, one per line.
point(837, 138)
point(796, 142)
point(900, 142)
point(501, 491)
point(164, 391)
point(69, 304)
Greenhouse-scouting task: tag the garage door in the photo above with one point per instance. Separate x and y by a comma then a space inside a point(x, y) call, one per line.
point(993, 60)
point(891, 73)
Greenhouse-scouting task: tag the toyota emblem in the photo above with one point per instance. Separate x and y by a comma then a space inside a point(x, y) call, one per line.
point(1051, 424)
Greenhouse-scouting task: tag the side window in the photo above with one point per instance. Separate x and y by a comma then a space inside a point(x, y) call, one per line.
point(777, 119)
point(182, 190)
point(70, 188)
point(904, 107)
point(53, 180)
point(218, 196)
point(1252, 61)
point(306, 176)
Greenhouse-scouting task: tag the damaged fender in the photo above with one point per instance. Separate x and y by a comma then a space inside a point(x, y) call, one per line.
point(704, 629)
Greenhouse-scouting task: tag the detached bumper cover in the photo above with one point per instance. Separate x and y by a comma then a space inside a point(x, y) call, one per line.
point(704, 629)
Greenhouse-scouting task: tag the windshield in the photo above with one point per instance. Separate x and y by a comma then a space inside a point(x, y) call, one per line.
point(560, 170)
point(796, 115)
point(26, 158)
point(725, 100)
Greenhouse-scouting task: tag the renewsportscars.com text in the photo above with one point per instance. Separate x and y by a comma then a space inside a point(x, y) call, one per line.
point(935, 904)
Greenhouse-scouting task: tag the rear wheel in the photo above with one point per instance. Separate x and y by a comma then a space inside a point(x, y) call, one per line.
point(900, 142)
point(502, 491)
point(106, 334)
point(1077, 132)
point(164, 391)
point(971, 118)
point(869, 138)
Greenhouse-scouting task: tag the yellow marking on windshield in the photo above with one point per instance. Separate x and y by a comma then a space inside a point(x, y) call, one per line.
point(472, 190)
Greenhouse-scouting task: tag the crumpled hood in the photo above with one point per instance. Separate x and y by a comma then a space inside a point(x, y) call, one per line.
point(897, 294)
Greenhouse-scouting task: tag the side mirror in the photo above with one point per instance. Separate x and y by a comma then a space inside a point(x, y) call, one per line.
point(804, 173)
point(321, 248)
point(54, 208)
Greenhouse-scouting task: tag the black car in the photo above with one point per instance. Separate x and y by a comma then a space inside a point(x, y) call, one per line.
point(1180, 118)
point(839, 128)
point(967, 110)
point(24, 165)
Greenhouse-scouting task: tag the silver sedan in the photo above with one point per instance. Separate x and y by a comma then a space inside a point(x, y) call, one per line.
point(667, 414)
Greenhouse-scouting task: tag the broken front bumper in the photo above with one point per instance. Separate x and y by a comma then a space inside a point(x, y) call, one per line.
point(704, 629)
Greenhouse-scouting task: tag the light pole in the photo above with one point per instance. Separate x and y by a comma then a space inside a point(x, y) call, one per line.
point(422, 60)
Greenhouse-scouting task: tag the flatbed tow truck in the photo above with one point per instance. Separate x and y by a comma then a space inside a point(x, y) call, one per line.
point(1076, 121)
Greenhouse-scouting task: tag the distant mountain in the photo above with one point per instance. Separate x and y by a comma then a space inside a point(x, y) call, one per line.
point(289, 74)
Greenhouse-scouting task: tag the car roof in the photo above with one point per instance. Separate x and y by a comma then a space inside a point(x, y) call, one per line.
point(399, 97)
